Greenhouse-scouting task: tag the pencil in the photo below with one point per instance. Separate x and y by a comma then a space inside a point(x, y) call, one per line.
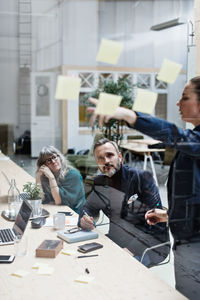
point(92, 255)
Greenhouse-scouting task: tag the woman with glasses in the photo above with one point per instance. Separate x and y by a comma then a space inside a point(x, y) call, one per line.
point(59, 182)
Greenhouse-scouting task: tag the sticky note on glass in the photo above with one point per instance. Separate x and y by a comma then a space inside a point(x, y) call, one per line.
point(169, 71)
point(67, 88)
point(20, 273)
point(145, 101)
point(84, 279)
point(107, 105)
point(109, 51)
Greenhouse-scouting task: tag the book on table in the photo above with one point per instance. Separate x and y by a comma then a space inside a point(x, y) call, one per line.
point(78, 236)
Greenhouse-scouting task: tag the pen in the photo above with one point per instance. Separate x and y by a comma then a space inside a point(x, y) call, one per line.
point(92, 255)
point(86, 214)
point(153, 209)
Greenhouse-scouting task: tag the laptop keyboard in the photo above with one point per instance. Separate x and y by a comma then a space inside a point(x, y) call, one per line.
point(6, 235)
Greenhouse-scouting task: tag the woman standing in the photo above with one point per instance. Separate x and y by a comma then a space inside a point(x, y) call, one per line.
point(60, 183)
point(183, 184)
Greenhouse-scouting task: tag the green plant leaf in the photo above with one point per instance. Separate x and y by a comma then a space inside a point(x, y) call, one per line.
point(32, 190)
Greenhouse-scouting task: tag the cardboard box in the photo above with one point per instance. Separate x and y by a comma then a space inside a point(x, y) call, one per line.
point(49, 248)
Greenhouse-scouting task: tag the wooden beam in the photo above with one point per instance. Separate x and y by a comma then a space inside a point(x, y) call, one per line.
point(64, 120)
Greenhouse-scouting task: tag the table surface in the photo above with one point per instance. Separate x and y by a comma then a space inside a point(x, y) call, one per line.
point(140, 145)
point(116, 274)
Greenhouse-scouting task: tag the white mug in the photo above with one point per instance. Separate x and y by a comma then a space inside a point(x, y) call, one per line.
point(59, 221)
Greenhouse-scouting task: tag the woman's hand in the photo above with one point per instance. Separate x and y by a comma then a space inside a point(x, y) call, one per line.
point(44, 170)
point(157, 215)
point(121, 113)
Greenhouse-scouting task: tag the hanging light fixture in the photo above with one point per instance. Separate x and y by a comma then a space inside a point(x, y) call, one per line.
point(168, 24)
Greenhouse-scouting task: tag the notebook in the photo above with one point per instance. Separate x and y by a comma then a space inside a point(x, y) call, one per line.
point(78, 236)
point(8, 235)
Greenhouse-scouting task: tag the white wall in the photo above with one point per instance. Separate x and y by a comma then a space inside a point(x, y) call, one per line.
point(80, 32)
point(69, 33)
point(47, 35)
point(8, 62)
point(129, 22)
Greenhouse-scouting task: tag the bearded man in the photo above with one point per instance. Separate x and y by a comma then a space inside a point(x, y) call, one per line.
point(117, 185)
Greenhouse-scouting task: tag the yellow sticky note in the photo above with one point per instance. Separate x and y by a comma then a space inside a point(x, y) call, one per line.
point(39, 265)
point(45, 270)
point(84, 279)
point(68, 252)
point(107, 105)
point(145, 101)
point(20, 273)
point(169, 71)
point(67, 88)
point(109, 51)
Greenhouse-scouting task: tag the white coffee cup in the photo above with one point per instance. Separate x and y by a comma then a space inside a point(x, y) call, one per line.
point(59, 221)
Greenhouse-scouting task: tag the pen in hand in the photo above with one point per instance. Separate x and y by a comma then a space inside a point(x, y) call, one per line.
point(86, 214)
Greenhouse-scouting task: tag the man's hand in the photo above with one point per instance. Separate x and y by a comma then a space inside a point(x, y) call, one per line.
point(157, 215)
point(87, 223)
point(121, 113)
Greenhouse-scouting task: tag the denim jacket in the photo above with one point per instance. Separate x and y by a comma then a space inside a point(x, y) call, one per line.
point(184, 175)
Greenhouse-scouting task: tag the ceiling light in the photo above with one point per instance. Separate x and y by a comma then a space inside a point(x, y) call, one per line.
point(168, 24)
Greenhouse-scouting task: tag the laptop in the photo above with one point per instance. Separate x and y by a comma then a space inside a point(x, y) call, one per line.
point(8, 236)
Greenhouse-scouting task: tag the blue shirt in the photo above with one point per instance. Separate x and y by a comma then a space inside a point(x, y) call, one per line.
point(184, 175)
point(71, 191)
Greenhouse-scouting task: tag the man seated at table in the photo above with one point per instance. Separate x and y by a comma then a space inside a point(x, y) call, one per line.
point(131, 182)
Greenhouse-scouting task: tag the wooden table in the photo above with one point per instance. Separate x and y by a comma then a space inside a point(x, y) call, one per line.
point(116, 274)
point(141, 147)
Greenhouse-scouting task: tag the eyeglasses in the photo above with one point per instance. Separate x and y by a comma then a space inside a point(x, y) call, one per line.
point(49, 160)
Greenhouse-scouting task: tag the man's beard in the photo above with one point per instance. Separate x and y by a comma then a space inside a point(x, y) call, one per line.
point(114, 169)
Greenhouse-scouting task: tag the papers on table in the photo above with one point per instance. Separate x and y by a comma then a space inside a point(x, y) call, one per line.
point(69, 221)
point(169, 71)
point(69, 252)
point(4, 158)
point(107, 105)
point(84, 279)
point(20, 273)
point(109, 51)
point(39, 265)
point(45, 270)
point(145, 101)
point(67, 88)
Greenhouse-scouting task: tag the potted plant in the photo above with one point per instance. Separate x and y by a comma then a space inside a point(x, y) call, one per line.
point(113, 130)
point(34, 197)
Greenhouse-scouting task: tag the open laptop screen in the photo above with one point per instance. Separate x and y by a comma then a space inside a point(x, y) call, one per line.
point(22, 219)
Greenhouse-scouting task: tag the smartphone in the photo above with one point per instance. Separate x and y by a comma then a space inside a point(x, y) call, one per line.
point(89, 247)
point(6, 259)
point(73, 230)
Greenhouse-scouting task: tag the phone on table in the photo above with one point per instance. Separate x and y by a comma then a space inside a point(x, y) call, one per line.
point(6, 259)
point(89, 247)
point(67, 213)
